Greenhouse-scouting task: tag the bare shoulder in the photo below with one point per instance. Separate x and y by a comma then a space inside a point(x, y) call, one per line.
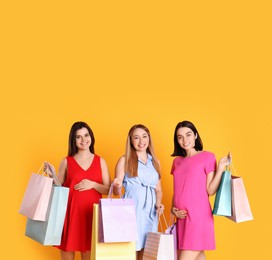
point(103, 161)
point(121, 160)
point(63, 163)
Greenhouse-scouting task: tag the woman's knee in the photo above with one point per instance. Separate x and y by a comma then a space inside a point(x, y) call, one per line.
point(191, 255)
point(85, 255)
point(67, 255)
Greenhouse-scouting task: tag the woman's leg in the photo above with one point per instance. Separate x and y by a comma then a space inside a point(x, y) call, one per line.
point(201, 256)
point(191, 255)
point(85, 256)
point(139, 254)
point(67, 255)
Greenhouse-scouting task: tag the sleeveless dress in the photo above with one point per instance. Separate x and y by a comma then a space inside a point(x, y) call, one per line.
point(77, 230)
point(142, 190)
point(196, 231)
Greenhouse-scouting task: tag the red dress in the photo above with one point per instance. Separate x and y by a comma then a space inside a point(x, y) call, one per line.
point(77, 230)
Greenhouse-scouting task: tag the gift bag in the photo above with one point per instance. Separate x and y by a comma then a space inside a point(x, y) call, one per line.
point(222, 203)
point(49, 232)
point(240, 205)
point(117, 221)
point(36, 197)
point(109, 251)
point(159, 246)
point(173, 231)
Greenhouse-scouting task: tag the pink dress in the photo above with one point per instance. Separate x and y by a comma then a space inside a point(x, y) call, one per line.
point(196, 231)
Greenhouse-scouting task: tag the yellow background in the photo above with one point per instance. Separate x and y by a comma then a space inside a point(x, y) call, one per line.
point(117, 63)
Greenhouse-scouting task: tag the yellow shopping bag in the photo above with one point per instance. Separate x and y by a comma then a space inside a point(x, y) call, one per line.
point(109, 251)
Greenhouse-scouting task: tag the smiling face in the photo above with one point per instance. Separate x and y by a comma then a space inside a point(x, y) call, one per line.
point(83, 139)
point(186, 138)
point(140, 139)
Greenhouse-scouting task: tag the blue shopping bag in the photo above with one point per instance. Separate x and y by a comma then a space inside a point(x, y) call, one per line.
point(49, 232)
point(222, 203)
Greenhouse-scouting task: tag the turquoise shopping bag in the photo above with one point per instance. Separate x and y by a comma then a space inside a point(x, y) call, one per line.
point(49, 232)
point(222, 203)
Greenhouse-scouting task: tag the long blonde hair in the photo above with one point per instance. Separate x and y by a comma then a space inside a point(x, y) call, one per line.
point(131, 158)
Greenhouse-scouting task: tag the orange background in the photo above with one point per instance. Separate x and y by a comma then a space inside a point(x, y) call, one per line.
point(117, 63)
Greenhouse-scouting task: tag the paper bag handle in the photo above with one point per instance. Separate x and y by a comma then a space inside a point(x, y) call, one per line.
point(111, 192)
point(165, 222)
point(38, 172)
point(54, 176)
point(231, 164)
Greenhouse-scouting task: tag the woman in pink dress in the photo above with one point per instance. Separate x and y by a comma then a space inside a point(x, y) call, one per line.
point(196, 177)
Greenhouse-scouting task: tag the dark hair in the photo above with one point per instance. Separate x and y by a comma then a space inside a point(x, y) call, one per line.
point(72, 148)
point(178, 151)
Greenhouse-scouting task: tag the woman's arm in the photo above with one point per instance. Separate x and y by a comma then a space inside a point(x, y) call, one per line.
point(214, 178)
point(178, 213)
point(62, 172)
point(119, 176)
point(50, 170)
point(105, 186)
point(159, 205)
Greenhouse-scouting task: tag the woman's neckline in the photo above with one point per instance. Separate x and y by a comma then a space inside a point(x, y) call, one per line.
point(91, 162)
point(196, 154)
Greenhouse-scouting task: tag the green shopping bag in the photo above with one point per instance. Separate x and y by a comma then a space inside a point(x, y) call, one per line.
point(222, 203)
point(49, 232)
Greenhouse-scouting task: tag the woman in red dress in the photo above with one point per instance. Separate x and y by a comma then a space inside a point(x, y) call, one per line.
point(87, 176)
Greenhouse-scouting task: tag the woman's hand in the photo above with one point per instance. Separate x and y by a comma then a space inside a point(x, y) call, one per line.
point(49, 169)
point(224, 162)
point(85, 185)
point(159, 208)
point(117, 186)
point(117, 183)
point(179, 213)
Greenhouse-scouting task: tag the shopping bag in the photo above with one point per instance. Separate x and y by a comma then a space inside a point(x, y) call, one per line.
point(109, 251)
point(49, 232)
point(117, 221)
point(36, 197)
point(173, 231)
point(222, 202)
point(159, 246)
point(240, 205)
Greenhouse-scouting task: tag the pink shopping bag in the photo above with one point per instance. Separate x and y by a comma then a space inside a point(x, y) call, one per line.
point(240, 205)
point(109, 251)
point(36, 198)
point(117, 220)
